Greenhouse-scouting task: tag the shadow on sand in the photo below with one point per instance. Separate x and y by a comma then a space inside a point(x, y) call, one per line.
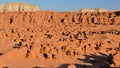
point(96, 61)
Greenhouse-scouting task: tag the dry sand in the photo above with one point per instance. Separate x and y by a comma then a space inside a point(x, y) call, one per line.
point(46, 39)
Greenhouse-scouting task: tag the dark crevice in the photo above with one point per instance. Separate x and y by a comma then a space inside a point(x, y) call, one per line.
point(73, 20)
point(27, 53)
point(92, 20)
point(62, 20)
point(53, 56)
point(45, 55)
point(1, 54)
point(117, 13)
point(37, 67)
point(11, 20)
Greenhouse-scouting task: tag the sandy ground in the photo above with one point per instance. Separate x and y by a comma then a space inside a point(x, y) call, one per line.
point(34, 43)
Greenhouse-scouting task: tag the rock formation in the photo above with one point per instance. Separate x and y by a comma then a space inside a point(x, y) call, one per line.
point(71, 66)
point(93, 10)
point(13, 6)
point(48, 39)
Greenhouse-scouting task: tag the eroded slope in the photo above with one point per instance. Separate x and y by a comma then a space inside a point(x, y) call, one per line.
point(48, 39)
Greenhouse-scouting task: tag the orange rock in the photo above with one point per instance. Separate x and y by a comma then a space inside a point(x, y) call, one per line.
point(71, 66)
point(61, 36)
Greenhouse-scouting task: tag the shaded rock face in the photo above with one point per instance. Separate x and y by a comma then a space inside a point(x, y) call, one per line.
point(56, 35)
point(13, 6)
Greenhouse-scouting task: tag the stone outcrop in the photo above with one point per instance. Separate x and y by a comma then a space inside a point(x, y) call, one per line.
point(93, 10)
point(13, 6)
point(71, 66)
point(41, 37)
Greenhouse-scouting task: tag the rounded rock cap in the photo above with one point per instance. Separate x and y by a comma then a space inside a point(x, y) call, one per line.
point(71, 66)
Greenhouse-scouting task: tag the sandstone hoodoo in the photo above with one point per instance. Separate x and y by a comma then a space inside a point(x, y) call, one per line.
point(47, 39)
point(13, 6)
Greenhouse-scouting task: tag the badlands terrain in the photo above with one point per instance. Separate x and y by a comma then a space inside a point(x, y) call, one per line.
point(33, 38)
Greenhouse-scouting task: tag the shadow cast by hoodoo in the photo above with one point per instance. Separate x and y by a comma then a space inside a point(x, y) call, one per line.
point(99, 61)
point(76, 65)
point(95, 61)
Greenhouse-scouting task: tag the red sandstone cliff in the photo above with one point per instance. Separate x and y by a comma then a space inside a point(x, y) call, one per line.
point(48, 39)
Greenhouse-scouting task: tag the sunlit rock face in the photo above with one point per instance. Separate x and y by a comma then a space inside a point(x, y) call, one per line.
point(93, 10)
point(13, 6)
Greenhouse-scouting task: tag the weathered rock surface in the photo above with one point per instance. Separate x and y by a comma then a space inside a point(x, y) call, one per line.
point(93, 10)
point(13, 6)
point(48, 39)
point(71, 66)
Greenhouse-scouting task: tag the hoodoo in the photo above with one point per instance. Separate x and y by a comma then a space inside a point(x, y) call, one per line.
point(89, 38)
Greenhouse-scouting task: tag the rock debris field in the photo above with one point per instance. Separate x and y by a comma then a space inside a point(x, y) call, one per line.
point(47, 39)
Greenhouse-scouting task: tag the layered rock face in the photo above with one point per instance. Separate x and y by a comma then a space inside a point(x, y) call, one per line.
point(93, 10)
point(49, 38)
point(13, 6)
